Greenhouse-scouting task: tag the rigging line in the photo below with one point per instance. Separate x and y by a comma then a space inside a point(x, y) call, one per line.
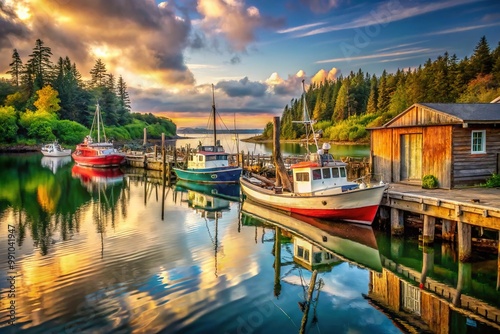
point(284, 313)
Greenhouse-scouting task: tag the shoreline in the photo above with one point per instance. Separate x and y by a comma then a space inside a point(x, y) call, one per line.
point(257, 140)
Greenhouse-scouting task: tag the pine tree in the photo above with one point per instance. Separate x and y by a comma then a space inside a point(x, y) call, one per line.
point(481, 61)
point(371, 107)
point(40, 64)
point(16, 68)
point(98, 74)
point(383, 94)
point(123, 101)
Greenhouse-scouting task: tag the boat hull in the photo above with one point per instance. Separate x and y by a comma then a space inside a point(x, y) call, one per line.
point(227, 191)
point(56, 154)
point(210, 175)
point(104, 161)
point(358, 206)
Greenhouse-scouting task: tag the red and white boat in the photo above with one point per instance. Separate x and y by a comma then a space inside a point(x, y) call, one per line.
point(319, 188)
point(96, 153)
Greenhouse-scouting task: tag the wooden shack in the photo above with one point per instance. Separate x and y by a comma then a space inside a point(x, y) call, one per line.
point(458, 143)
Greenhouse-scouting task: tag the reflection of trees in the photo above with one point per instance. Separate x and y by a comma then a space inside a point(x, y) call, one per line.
point(46, 204)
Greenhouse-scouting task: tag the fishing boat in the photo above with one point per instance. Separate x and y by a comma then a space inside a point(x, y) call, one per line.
point(97, 153)
point(318, 242)
point(319, 187)
point(209, 163)
point(54, 149)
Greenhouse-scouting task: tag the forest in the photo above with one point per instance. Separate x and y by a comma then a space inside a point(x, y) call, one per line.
point(344, 108)
point(44, 101)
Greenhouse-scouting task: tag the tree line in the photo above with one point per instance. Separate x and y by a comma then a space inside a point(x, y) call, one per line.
point(345, 107)
point(44, 100)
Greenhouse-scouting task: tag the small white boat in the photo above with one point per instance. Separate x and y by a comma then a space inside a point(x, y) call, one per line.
point(55, 150)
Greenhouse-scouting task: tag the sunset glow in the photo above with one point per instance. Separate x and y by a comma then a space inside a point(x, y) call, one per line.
point(255, 53)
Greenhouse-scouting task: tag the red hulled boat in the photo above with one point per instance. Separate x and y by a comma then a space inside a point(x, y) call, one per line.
point(96, 153)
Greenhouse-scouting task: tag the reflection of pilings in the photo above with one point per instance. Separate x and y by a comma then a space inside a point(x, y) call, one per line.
point(498, 263)
point(312, 283)
point(464, 281)
point(277, 261)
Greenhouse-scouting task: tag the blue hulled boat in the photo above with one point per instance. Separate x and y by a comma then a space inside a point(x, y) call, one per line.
point(210, 163)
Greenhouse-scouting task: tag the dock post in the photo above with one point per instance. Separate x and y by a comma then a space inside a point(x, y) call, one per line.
point(162, 140)
point(156, 152)
point(397, 222)
point(429, 230)
point(464, 241)
point(175, 157)
point(448, 230)
point(310, 291)
point(145, 141)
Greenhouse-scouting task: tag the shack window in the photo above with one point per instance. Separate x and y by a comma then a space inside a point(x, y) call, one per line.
point(210, 158)
point(221, 157)
point(200, 158)
point(302, 177)
point(316, 174)
point(317, 257)
point(335, 172)
point(326, 173)
point(478, 142)
point(342, 171)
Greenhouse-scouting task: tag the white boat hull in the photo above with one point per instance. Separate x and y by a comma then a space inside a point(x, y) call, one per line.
point(358, 206)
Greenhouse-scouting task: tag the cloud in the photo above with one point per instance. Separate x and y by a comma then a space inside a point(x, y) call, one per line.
point(233, 20)
point(289, 87)
point(138, 35)
point(381, 55)
point(241, 88)
point(320, 6)
point(10, 26)
point(323, 75)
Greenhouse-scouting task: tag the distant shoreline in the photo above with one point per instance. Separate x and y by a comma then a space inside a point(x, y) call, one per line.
point(258, 139)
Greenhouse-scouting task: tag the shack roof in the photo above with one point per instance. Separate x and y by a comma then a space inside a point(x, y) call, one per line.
point(424, 114)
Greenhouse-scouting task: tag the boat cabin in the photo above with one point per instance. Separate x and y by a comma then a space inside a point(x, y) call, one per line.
point(208, 157)
point(321, 174)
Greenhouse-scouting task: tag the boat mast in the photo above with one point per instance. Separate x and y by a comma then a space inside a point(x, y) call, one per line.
point(98, 123)
point(214, 116)
point(307, 120)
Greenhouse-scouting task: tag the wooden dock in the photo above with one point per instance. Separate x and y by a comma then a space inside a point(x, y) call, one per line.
point(458, 211)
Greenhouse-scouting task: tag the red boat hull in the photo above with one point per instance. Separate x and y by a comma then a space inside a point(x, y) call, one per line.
point(97, 156)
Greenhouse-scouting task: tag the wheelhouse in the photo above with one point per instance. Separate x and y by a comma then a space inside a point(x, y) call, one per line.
point(208, 157)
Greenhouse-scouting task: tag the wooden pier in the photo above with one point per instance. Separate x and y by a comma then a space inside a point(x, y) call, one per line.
point(456, 211)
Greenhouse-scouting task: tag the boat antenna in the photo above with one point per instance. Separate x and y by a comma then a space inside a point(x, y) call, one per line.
point(306, 120)
point(213, 115)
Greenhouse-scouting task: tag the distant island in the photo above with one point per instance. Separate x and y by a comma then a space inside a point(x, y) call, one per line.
point(206, 131)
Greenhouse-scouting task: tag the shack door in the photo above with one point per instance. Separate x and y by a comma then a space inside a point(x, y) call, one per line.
point(411, 157)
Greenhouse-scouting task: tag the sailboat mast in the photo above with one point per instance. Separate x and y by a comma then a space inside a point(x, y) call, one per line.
point(214, 116)
point(98, 124)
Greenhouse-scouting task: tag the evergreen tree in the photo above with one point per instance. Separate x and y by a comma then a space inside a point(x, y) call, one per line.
point(40, 64)
point(16, 68)
point(481, 61)
point(123, 101)
point(98, 74)
point(371, 107)
point(383, 94)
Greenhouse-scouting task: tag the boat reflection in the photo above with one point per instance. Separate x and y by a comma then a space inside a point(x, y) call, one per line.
point(97, 177)
point(54, 163)
point(320, 242)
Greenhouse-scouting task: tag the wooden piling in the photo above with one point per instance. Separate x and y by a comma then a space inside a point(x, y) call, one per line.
point(162, 140)
point(277, 262)
point(448, 230)
point(464, 241)
point(397, 222)
point(310, 291)
point(429, 230)
point(281, 173)
point(145, 141)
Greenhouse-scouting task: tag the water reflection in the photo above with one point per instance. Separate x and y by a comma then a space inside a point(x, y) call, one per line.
point(54, 163)
point(122, 253)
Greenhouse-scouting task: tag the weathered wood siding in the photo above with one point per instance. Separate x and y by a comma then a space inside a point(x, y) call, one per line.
point(381, 153)
point(472, 169)
point(437, 154)
point(418, 115)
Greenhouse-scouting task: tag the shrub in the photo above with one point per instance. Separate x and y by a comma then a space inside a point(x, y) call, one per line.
point(492, 182)
point(8, 130)
point(429, 182)
point(41, 130)
point(69, 132)
point(117, 133)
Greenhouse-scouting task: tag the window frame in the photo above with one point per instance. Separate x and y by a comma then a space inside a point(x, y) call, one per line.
point(474, 145)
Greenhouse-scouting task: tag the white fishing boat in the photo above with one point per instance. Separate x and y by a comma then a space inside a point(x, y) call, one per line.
point(54, 149)
point(320, 188)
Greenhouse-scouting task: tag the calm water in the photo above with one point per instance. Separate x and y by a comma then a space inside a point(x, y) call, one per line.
point(100, 252)
point(229, 143)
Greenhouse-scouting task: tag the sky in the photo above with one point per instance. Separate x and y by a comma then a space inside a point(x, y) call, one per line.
point(254, 52)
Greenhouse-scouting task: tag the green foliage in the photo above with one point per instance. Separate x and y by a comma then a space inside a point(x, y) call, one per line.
point(8, 120)
point(41, 130)
point(492, 182)
point(69, 132)
point(136, 129)
point(430, 182)
point(117, 133)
